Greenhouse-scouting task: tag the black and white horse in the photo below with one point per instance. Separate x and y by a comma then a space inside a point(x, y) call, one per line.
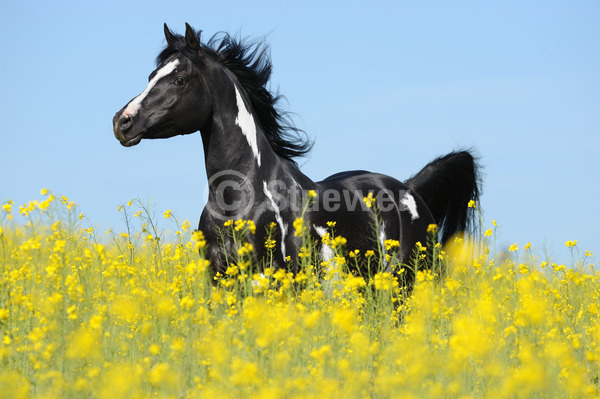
point(219, 88)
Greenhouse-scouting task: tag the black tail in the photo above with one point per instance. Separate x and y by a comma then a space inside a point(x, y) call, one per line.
point(447, 184)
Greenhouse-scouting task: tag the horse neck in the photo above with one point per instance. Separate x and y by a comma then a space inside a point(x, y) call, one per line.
point(236, 141)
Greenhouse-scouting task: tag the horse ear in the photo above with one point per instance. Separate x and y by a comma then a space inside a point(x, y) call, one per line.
point(191, 38)
point(169, 35)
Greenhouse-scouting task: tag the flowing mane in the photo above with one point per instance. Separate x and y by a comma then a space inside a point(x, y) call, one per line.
point(250, 63)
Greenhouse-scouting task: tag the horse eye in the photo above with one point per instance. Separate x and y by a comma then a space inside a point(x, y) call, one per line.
point(180, 82)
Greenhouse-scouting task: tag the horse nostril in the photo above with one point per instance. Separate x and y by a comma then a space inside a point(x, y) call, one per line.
point(125, 123)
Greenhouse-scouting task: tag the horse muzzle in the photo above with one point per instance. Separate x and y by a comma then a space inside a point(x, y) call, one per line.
point(123, 128)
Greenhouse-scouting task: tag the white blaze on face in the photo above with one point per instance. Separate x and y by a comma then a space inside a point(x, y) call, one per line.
point(409, 202)
point(134, 106)
point(245, 121)
point(278, 218)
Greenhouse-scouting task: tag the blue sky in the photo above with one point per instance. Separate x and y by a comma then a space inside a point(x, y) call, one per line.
point(384, 87)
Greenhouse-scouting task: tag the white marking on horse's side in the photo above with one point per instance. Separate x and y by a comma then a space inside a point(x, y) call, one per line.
point(326, 250)
point(134, 105)
point(278, 218)
point(245, 121)
point(327, 255)
point(409, 202)
point(255, 282)
point(387, 266)
point(382, 236)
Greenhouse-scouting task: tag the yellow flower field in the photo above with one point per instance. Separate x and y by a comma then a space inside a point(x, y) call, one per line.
point(134, 313)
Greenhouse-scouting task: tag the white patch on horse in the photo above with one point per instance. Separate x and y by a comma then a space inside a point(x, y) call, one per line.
point(134, 105)
point(409, 202)
point(382, 239)
point(326, 250)
point(245, 121)
point(278, 218)
point(327, 255)
point(255, 282)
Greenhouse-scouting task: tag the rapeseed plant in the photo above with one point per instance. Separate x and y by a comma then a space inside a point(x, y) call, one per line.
point(137, 313)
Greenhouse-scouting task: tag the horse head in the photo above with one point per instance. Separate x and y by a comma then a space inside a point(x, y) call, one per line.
point(176, 100)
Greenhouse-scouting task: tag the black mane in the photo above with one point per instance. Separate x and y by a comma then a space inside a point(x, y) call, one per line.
point(249, 61)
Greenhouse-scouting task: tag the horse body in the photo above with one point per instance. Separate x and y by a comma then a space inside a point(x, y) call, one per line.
point(249, 160)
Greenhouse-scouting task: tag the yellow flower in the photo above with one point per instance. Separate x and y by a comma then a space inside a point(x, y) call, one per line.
point(432, 228)
point(369, 253)
point(389, 244)
point(339, 260)
point(528, 245)
point(198, 236)
point(298, 227)
point(59, 246)
point(558, 268)
point(228, 223)
point(154, 350)
point(330, 224)
point(369, 200)
point(178, 345)
point(304, 253)
point(571, 244)
point(338, 241)
point(523, 269)
point(162, 375)
point(83, 344)
point(384, 281)
point(326, 239)
point(44, 191)
point(513, 247)
point(312, 194)
point(245, 249)
point(312, 318)
point(244, 373)
point(251, 226)
point(232, 270)
point(356, 282)
point(420, 247)
point(488, 232)
point(239, 224)
point(7, 207)
point(167, 214)
point(344, 320)
point(320, 354)
point(472, 204)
